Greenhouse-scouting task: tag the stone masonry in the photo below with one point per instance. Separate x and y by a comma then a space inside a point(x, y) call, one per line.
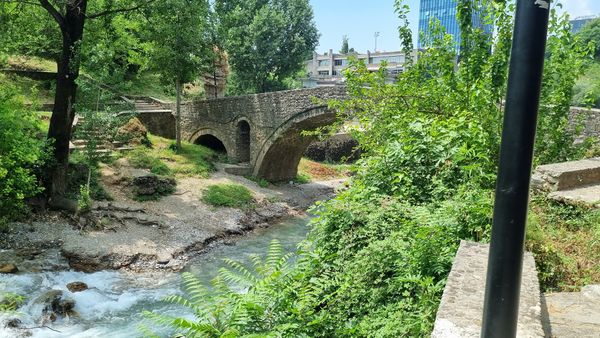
point(262, 130)
point(461, 309)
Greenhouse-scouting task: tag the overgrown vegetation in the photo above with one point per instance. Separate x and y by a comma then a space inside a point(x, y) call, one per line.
point(565, 241)
point(315, 171)
point(161, 159)
point(228, 195)
point(377, 258)
point(22, 153)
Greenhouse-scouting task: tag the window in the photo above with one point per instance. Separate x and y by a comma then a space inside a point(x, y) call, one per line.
point(334, 73)
point(342, 62)
point(389, 59)
point(323, 72)
point(323, 63)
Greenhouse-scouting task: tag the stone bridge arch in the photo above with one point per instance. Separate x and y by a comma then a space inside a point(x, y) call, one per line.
point(282, 151)
point(207, 137)
point(262, 132)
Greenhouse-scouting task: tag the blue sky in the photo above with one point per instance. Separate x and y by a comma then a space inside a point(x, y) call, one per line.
point(360, 19)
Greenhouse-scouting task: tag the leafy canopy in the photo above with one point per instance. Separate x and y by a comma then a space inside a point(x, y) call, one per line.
point(267, 41)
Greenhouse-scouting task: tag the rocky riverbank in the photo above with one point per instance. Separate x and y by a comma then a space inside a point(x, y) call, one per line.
point(153, 235)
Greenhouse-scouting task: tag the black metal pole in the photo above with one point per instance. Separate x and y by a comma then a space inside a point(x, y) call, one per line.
point(505, 261)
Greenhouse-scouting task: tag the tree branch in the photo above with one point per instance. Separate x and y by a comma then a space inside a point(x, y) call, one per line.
point(55, 14)
point(119, 10)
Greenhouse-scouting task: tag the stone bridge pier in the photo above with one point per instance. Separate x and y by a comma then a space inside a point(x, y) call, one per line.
point(261, 131)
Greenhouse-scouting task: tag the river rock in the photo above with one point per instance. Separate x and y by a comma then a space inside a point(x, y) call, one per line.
point(14, 323)
point(77, 286)
point(152, 185)
point(55, 304)
point(8, 268)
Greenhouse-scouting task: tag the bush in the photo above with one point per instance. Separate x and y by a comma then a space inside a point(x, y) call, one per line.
point(228, 195)
point(22, 154)
point(134, 132)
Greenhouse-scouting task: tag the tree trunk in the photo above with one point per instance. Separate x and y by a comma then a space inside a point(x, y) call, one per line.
point(178, 114)
point(64, 98)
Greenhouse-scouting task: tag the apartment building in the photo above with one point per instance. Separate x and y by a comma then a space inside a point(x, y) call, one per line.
point(328, 69)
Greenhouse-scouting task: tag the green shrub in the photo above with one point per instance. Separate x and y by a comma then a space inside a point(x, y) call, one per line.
point(228, 195)
point(79, 170)
point(22, 154)
point(84, 202)
point(302, 178)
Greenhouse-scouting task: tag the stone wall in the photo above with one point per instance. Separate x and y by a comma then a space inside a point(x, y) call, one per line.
point(590, 118)
point(461, 308)
point(338, 148)
point(159, 123)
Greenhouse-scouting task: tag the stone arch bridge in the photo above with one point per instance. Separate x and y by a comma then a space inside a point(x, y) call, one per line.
point(262, 132)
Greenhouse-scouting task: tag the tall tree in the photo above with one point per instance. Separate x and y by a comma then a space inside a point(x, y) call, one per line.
point(345, 47)
point(591, 33)
point(182, 48)
point(267, 40)
point(70, 17)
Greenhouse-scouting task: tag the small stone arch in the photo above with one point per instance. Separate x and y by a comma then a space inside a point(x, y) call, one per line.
point(211, 139)
point(242, 140)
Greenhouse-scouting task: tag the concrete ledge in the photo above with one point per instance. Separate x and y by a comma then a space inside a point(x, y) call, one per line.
point(461, 309)
point(567, 175)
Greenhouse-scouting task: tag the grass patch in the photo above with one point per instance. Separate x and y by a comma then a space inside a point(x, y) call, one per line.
point(142, 158)
point(565, 241)
point(149, 84)
point(31, 63)
point(303, 178)
point(260, 181)
point(190, 161)
point(228, 195)
point(314, 171)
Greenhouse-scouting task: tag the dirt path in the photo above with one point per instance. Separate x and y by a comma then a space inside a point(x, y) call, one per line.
point(161, 234)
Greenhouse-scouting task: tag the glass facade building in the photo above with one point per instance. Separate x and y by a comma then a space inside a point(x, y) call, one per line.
point(578, 23)
point(445, 12)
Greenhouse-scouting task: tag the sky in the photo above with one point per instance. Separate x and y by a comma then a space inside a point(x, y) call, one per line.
point(360, 19)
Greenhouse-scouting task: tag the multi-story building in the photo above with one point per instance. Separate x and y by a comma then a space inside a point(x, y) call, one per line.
point(445, 12)
point(578, 23)
point(327, 69)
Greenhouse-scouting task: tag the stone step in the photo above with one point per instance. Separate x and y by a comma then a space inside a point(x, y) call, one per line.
point(588, 195)
point(567, 175)
point(573, 314)
point(241, 169)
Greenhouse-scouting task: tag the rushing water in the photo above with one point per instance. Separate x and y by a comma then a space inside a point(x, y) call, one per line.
point(112, 305)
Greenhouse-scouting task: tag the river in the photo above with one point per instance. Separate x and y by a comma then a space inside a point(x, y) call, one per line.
point(112, 305)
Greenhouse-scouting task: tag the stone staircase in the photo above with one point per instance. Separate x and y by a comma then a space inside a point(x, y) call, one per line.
point(575, 182)
point(103, 148)
point(148, 104)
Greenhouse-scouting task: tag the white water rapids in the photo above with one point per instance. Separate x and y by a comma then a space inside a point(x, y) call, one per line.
point(112, 305)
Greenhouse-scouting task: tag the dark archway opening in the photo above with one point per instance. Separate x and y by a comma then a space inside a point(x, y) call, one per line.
point(211, 142)
point(243, 142)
